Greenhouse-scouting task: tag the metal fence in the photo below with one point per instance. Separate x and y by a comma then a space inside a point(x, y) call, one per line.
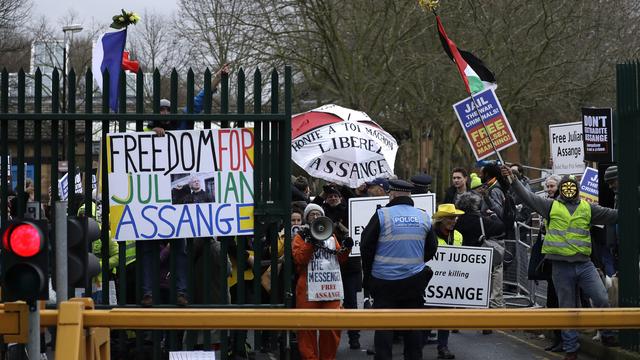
point(36, 133)
point(627, 153)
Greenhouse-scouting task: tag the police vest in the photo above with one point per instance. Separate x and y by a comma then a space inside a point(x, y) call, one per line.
point(568, 234)
point(400, 251)
point(457, 239)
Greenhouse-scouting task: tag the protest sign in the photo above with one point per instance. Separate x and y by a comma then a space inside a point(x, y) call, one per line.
point(185, 184)
point(484, 106)
point(589, 185)
point(347, 152)
point(63, 186)
point(324, 281)
point(566, 148)
point(362, 209)
point(597, 126)
point(461, 277)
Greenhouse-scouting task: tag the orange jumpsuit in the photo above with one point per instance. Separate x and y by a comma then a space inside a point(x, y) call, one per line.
point(307, 339)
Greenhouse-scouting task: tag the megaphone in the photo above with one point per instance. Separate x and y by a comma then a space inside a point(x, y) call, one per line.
point(321, 228)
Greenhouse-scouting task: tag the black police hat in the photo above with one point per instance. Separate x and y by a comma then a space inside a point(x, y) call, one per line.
point(421, 180)
point(400, 185)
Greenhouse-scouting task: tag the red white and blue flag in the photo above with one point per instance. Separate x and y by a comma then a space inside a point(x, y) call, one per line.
point(107, 55)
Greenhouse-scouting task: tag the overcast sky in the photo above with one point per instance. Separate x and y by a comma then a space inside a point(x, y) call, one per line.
point(100, 11)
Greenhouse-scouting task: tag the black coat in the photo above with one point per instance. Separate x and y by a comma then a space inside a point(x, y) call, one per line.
point(469, 226)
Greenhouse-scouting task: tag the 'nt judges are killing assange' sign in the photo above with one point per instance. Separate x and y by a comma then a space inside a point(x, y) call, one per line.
point(185, 184)
point(461, 277)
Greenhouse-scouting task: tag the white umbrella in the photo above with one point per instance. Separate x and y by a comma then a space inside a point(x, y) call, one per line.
point(342, 145)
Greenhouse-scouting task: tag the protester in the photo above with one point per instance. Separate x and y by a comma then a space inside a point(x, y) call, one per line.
point(378, 187)
point(300, 190)
point(471, 225)
point(459, 181)
point(393, 260)
point(444, 221)
point(567, 245)
point(305, 250)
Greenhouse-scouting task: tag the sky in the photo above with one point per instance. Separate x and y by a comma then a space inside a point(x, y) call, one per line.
point(99, 11)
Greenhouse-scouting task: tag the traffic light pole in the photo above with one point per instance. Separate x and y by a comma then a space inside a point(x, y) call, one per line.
point(33, 346)
point(62, 286)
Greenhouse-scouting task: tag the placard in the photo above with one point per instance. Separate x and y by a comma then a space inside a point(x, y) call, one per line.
point(362, 209)
point(461, 277)
point(566, 148)
point(597, 126)
point(484, 107)
point(589, 185)
point(186, 184)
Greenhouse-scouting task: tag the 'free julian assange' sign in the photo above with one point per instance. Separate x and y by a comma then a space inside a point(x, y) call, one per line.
point(461, 277)
point(566, 148)
point(186, 184)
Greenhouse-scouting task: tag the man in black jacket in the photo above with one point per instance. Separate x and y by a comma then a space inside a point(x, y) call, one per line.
point(393, 260)
point(459, 185)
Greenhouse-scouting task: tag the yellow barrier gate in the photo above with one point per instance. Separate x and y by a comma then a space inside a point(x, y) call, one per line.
point(76, 315)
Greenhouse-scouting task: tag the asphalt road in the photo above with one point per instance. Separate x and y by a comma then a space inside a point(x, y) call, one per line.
point(468, 344)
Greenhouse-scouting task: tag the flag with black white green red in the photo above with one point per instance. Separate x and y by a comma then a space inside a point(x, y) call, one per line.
point(475, 74)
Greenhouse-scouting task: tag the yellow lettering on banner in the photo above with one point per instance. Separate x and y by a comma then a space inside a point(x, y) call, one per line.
point(115, 214)
point(245, 218)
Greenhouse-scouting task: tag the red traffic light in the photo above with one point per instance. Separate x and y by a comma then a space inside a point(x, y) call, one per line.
point(23, 239)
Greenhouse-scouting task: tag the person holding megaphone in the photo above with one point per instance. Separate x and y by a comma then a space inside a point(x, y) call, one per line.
point(317, 256)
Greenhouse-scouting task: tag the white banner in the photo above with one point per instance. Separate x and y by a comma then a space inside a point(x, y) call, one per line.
point(324, 281)
point(461, 277)
point(63, 186)
point(347, 153)
point(185, 184)
point(362, 209)
point(566, 148)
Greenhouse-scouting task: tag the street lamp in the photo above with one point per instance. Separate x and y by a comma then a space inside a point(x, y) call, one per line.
point(74, 28)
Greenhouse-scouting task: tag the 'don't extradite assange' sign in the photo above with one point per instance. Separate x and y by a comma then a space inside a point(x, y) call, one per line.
point(186, 184)
point(597, 126)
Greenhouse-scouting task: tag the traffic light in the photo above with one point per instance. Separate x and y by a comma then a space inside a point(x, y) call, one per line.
point(25, 261)
point(82, 265)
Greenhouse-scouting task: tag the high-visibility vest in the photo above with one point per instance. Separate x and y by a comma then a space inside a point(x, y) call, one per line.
point(457, 239)
point(568, 234)
point(400, 250)
point(130, 251)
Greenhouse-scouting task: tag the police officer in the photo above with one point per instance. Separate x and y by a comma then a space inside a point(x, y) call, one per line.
point(395, 245)
point(567, 245)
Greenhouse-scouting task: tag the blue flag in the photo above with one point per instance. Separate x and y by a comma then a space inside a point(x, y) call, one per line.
point(107, 54)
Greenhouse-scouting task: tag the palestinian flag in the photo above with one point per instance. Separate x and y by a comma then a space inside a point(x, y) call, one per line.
point(474, 73)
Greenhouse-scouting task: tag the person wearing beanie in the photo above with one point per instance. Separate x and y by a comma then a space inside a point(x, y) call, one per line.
point(567, 245)
point(395, 245)
point(475, 181)
point(309, 255)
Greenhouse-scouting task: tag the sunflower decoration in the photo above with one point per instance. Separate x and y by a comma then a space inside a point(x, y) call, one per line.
point(429, 5)
point(125, 19)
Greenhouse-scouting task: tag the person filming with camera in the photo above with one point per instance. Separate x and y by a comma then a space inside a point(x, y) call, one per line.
point(317, 255)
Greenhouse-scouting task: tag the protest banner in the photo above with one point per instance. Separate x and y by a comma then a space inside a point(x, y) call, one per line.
point(324, 280)
point(185, 184)
point(589, 185)
point(330, 144)
point(566, 148)
point(486, 107)
point(63, 186)
point(461, 277)
point(362, 209)
point(597, 127)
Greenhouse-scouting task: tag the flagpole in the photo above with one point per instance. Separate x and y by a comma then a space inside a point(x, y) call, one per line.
point(432, 4)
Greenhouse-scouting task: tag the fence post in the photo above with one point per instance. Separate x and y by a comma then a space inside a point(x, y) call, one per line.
point(628, 98)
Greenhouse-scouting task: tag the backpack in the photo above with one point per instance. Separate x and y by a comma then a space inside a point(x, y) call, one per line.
point(509, 210)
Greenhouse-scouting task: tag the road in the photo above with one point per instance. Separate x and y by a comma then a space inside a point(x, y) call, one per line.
point(468, 344)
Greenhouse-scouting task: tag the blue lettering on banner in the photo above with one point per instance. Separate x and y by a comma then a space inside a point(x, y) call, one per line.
point(155, 227)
